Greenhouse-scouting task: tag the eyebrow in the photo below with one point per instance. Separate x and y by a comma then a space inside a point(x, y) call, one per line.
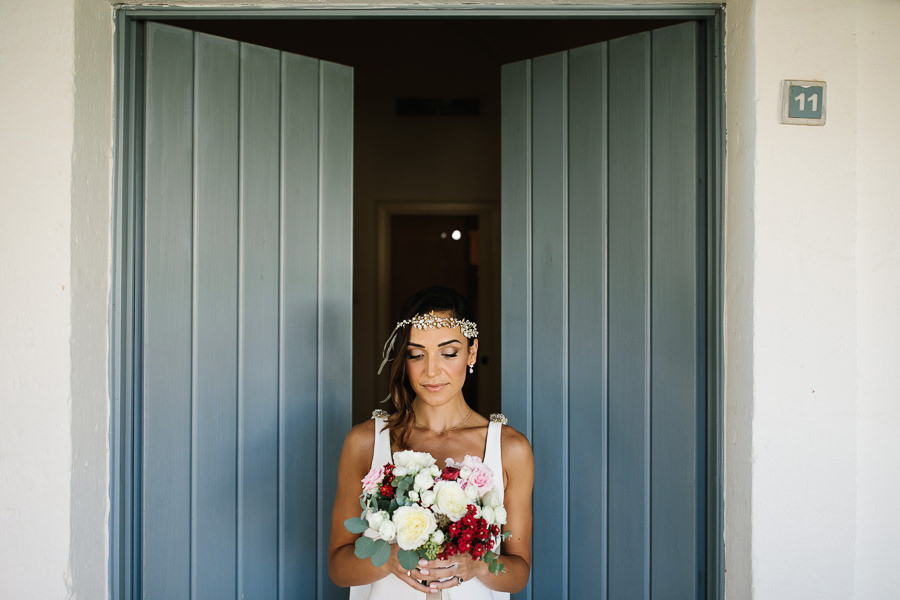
point(439, 345)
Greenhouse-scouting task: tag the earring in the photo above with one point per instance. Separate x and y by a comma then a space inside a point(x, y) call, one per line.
point(471, 367)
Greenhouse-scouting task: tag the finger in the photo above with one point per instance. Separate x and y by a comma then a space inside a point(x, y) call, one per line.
point(443, 585)
point(414, 583)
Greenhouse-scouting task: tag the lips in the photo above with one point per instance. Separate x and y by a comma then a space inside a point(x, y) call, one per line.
point(435, 388)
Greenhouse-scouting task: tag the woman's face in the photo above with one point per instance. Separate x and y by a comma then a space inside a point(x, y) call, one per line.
point(436, 362)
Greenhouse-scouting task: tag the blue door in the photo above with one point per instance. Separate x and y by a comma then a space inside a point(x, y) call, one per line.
point(604, 312)
point(245, 329)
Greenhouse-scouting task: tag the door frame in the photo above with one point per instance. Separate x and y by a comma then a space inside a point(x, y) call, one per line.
point(125, 307)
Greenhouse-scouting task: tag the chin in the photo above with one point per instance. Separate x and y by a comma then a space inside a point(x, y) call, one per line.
point(436, 398)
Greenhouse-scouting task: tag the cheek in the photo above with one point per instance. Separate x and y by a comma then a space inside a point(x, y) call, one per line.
point(412, 369)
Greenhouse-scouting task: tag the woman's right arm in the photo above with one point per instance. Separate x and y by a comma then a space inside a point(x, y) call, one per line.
point(344, 568)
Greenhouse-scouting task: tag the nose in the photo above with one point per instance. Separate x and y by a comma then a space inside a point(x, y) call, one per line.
point(432, 367)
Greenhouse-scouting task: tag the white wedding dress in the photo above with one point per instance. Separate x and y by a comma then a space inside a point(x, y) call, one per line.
point(391, 587)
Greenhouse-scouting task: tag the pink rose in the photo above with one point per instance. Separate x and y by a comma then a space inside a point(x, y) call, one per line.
point(372, 480)
point(473, 462)
point(482, 480)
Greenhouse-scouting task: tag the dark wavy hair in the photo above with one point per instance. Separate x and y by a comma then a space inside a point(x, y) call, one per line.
point(433, 298)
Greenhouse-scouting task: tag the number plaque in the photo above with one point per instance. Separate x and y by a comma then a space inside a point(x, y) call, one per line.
point(803, 102)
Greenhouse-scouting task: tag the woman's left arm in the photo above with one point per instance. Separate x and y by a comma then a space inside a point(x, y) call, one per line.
point(515, 553)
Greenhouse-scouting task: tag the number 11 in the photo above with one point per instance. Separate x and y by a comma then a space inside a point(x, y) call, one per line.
point(813, 99)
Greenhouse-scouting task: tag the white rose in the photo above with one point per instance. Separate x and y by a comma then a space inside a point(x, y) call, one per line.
point(450, 500)
point(400, 471)
point(487, 513)
point(412, 462)
point(375, 519)
point(413, 495)
point(424, 460)
point(388, 531)
point(437, 537)
point(402, 459)
point(500, 516)
point(423, 481)
point(471, 493)
point(427, 498)
point(492, 499)
point(434, 470)
point(465, 472)
point(414, 526)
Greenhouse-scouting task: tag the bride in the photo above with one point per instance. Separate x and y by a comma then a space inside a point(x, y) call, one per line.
point(436, 342)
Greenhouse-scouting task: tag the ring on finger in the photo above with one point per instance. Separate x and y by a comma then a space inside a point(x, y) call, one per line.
point(409, 573)
point(459, 580)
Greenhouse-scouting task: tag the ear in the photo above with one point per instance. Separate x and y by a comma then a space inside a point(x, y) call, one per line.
point(473, 352)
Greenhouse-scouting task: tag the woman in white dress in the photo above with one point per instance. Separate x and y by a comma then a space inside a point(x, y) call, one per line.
point(436, 343)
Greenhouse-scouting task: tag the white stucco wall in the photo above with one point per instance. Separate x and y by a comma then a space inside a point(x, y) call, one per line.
point(878, 296)
point(804, 305)
point(812, 281)
point(36, 129)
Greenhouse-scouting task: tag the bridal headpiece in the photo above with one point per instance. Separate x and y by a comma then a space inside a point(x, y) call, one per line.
point(428, 321)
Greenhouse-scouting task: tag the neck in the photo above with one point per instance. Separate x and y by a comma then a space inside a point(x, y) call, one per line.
point(440, 419)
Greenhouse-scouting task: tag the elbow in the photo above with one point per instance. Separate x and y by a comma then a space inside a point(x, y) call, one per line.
point(521, 586)
point(333, 573)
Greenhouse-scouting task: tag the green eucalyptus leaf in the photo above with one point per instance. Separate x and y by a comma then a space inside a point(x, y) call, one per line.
point(409, 559)
point(364, 547)
point(382, 553)
point(356, 524)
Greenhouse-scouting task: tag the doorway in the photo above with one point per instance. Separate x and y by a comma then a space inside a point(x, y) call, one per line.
point(406, 38)
point(455, 244)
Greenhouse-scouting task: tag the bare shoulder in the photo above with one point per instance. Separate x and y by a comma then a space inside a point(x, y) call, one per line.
point(360, 442)
point(515, 447)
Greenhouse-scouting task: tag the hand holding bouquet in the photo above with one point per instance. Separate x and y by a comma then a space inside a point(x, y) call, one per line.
point(429, 512)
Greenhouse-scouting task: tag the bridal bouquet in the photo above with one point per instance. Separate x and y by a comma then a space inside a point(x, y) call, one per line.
point(429, 512)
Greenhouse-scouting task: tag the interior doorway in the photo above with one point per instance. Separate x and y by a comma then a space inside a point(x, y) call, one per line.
point(456, 244)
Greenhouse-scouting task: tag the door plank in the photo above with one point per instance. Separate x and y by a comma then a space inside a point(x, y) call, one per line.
point(214, 447)
point(549, 348)
point(260, 87)
point(587, 123)
point(299, 336)
point(629, 317)
point(335, 297)
point(166, 383)
point(676, 531)
point(515, 270)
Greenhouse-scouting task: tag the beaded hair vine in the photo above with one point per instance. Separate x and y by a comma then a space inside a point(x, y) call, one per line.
point(429, 321)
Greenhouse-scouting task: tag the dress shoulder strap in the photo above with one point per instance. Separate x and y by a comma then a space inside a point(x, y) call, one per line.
point(382, 452)
point(493, 456)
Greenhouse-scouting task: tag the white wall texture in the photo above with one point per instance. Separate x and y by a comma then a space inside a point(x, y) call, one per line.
point(36, 128)
point(878, 296)
point(804, 305)
point(812, 281)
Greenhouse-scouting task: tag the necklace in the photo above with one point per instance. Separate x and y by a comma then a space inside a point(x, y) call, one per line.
point(445, 430)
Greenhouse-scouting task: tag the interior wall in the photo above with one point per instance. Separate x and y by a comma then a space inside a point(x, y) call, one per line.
point(878, 296)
